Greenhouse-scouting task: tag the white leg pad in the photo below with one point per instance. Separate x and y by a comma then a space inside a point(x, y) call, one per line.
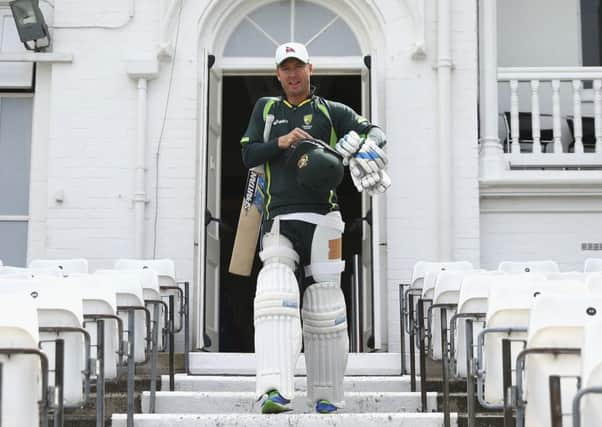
point(326, 342)
point(277, 329)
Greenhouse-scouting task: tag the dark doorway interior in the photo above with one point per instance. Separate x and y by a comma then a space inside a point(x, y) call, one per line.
point(237, 293)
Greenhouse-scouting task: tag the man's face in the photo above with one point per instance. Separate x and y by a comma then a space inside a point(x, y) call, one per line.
point(294, 77)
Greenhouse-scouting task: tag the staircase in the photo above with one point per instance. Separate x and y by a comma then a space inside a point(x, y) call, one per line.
point(229, 400)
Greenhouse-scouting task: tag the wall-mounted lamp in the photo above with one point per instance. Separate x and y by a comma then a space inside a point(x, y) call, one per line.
point(31, 26)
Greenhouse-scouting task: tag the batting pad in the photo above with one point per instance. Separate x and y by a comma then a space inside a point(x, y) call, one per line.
point(326, 342)
point(277, 329)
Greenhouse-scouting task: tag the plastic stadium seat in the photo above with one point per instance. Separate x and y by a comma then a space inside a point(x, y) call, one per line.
point(446, 291)
point(509, 307)
point(594, 283)
point(99, 300)
point(529, 267)
point(593, 265)
point(591, 373)
point(555, 321)
point(67, 266)
point(422, 267)
point(30, 273)
point(21, 374)
point(127, 286)
point(570, 275)
point(428, 286)
point(58, 305)
point(166, 270)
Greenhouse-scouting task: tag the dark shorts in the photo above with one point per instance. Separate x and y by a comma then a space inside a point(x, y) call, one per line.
point(301, 234)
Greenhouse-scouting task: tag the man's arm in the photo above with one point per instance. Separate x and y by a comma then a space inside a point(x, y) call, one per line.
point(255, 151)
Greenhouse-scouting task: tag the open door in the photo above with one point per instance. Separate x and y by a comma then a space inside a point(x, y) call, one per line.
point(212, 208)
point(372, 282)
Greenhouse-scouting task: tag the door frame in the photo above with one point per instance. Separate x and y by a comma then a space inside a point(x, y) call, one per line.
point(265, 66)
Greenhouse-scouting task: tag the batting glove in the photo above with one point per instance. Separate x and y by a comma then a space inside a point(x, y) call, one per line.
point(348, 146)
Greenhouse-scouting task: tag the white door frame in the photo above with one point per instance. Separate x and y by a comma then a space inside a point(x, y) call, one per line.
point(265, 66)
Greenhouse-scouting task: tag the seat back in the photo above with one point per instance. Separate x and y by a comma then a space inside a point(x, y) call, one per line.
point(446, 291)
point(67, 266)
point(572, 275)
point(594, 283)
point(593, 265)
point(165, 268)
point(529, 266)
point(127, 285)
point(422, 267)
point(99, 300)
point(591, 373)
point(555, 321)
point(21, 374)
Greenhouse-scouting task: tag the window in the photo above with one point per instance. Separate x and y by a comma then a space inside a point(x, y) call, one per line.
point(262, 30)
point(15, 154)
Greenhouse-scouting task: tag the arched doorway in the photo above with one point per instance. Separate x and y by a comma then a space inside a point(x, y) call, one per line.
point(241, 71)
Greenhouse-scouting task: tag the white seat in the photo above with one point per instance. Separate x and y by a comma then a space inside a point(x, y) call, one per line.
point(510, 305)
point(428, 286)
point(30, 273)
point(594, 283)
point(58, 305)
point(571, 275)
point(555, 321)
point(21, 374)
point(446, 291)
point(99, 300)
point(529, 267)
point(593, 265)
point(591, 373)
point(67, 266)
point(422, 267)
point(127, 286)
point(472, 298)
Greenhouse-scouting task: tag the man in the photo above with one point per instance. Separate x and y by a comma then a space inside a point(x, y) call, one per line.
point(302, 230)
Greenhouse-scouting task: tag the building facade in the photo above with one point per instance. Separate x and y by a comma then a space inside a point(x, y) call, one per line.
point(122, 140)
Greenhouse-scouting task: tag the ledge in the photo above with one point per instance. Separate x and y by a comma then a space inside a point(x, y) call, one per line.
point(47, 57)
point(542, 191)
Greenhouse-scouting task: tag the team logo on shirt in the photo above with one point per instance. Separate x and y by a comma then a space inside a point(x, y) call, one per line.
point(303, 160)
point(307, 121)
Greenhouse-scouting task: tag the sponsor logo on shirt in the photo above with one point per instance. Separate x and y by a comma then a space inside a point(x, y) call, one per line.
point(307, 121)
point(279, 122)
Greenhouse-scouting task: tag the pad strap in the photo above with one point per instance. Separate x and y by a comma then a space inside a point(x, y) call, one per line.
point(315, 218)
point(327, 267)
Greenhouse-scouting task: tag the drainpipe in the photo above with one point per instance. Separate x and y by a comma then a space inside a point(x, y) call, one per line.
point(444, 112)
point(141, 71)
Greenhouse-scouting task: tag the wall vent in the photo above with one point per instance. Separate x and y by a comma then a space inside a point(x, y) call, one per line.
point(591, 246)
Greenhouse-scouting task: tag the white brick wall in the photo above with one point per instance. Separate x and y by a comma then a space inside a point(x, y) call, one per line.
point(91, 140)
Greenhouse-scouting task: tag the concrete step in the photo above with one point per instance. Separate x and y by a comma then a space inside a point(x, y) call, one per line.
point(189, 402)
point(296, 420)
point(247, 383)
point(202, 363)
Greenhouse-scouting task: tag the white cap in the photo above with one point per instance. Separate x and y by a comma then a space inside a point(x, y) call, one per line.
point(291, 50)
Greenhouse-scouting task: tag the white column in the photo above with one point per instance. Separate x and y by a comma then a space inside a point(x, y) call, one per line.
point(491, 156)
point(444, 128)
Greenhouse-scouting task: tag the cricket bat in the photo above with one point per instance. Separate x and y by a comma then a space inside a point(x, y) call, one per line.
point(249, 220)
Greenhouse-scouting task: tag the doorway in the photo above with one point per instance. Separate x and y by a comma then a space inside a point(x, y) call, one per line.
point(236, 292)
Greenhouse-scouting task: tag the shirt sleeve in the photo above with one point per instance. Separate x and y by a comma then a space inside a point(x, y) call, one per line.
point(254, 151)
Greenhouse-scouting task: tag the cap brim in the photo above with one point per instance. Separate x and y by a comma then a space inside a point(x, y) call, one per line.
point(304, 60)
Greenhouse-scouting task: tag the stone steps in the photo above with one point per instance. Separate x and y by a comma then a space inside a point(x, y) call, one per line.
point(211, 402)
point(247, 383)
point(292, 420)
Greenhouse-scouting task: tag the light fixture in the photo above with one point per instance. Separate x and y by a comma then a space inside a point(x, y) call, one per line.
point(31, 26)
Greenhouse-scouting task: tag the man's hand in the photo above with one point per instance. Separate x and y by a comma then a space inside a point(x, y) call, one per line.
point(348, 146)
point(372, 183)
point(293, 136)
point(371, 158)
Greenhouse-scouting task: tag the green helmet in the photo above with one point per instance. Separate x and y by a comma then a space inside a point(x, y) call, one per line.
point(318, 167)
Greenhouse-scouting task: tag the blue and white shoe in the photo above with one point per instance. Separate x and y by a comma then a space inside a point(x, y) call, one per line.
point(323, 406)
point(274, 403)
